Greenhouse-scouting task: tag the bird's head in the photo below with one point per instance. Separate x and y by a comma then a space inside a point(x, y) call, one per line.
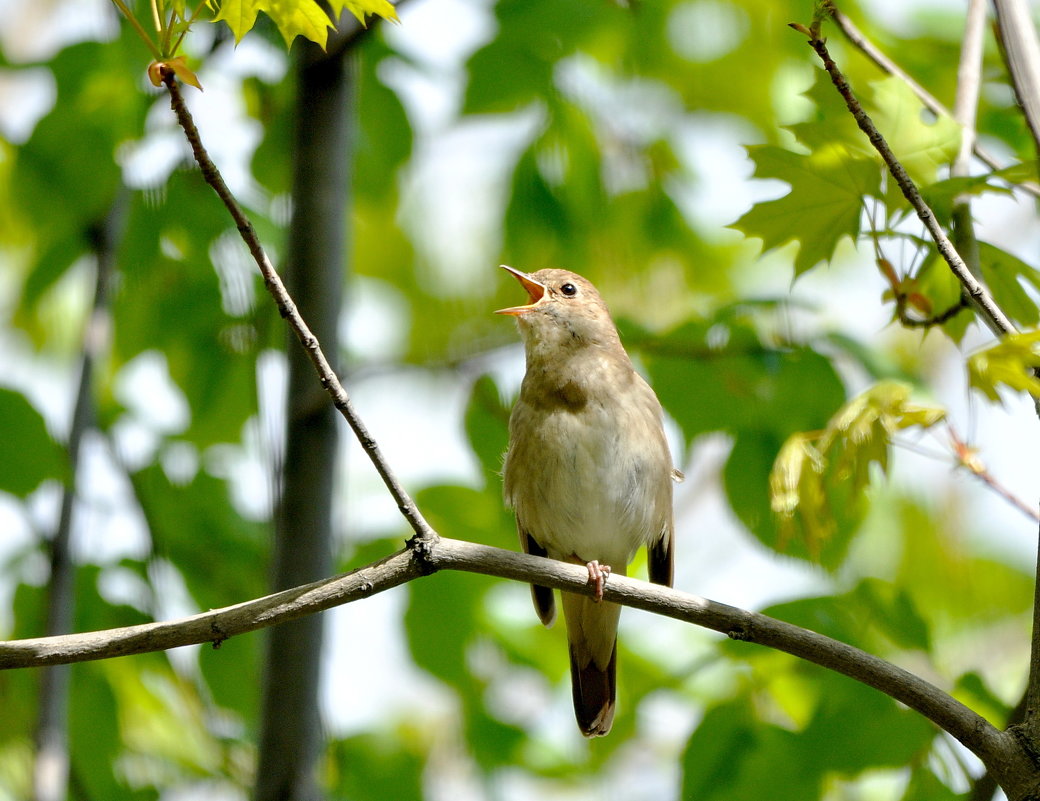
point(565, 310)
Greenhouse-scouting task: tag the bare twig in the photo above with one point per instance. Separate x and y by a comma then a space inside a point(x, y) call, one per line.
point(968, 458)
point(856, 37)
point(1021, 50)
point(984, 303)
point(965, 106)
point(288, 310)
point(969, 80)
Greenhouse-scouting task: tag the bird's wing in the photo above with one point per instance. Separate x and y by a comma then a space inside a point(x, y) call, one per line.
point(543, 597)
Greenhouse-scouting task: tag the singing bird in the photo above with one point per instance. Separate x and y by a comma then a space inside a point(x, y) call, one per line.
point(587, 473)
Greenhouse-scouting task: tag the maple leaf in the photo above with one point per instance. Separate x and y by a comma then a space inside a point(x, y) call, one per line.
point(306, 18)
point(824, 205)
point(240, 16)
point(1011, 363)
point(362, 9)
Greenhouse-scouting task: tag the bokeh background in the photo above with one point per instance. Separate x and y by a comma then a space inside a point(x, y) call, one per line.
point(601, 137)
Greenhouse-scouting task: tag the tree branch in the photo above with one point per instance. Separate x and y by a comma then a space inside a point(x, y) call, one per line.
point(858, 40)
point(965, 109)
point(288, 310)
point(984, 303)
point(426, 556)
point(1021, 50)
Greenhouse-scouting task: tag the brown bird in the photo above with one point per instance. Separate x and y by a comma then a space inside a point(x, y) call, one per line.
point(588, 472)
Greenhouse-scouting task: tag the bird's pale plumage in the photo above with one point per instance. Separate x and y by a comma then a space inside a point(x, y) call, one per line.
point(588, 472)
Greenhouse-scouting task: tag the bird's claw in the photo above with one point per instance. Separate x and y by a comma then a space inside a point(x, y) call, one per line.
point(598, 578)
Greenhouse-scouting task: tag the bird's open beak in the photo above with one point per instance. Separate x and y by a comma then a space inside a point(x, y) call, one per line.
point(535, 291)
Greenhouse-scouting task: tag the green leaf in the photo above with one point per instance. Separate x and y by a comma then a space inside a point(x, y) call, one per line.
point(948, 581)
point(717, 375)
point(1010, 363)
point(487, 426)
point(921, 146)
point(875, 615)
point(973, 691)
point(924, 785)
point(304, 18)
point(886, 734)
point(362, 9)
point(94, 734)
point(1005, 276)
point(512, 71)
point(180, 516)
point(941, 195)
point(733, 755)
point(240, 15)
point(824, 205)
point(294, 18)
point(374, 767)
point(223, 667)
point(28, 455)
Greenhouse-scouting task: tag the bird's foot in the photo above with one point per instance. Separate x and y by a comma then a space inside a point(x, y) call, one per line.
point(598, 578)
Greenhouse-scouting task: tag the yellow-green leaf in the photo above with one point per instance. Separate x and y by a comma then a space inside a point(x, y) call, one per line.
point(299, 18)
point(1010, 363)
point(816, 475)
point(362, 9)
point(240, 15)
point(922, 146)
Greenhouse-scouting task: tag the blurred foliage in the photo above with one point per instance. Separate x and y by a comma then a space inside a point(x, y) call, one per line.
point(607, 105)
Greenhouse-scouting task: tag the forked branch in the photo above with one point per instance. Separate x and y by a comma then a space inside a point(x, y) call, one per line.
point(431, 555)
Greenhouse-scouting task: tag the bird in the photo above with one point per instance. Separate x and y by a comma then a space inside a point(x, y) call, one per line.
point(587, 472)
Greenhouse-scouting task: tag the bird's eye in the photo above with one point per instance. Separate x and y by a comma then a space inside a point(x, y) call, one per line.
point(569, 290)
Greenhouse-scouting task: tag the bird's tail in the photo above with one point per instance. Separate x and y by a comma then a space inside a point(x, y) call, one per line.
point(592, 636)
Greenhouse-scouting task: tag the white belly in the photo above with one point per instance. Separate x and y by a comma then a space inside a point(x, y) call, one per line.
point(585, 488)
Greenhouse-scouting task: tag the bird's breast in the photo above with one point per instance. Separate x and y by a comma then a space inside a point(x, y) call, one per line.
point(588, 474)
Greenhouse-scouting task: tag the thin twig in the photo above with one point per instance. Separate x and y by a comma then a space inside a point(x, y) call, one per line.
point(968, 458)
point(858, 40)
point(288, 310)
point(969, 81)
point(429, 555)
point(1021, 49)
point(965, 109)
point(984, 303)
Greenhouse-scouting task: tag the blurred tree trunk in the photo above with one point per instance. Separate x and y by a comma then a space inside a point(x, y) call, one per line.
point(291, 728)
point(51, 764)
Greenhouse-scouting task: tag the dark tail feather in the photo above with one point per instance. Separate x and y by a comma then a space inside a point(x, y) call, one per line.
point(544, 603)
point(660, 559)
point(594, 693)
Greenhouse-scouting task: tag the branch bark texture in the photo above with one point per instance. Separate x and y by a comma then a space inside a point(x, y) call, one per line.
point(429, 555)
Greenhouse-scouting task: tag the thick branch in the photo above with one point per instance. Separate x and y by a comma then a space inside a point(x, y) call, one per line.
point(288, 310)
point(427, 556)
point(984, 303)
point(1031, 716)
